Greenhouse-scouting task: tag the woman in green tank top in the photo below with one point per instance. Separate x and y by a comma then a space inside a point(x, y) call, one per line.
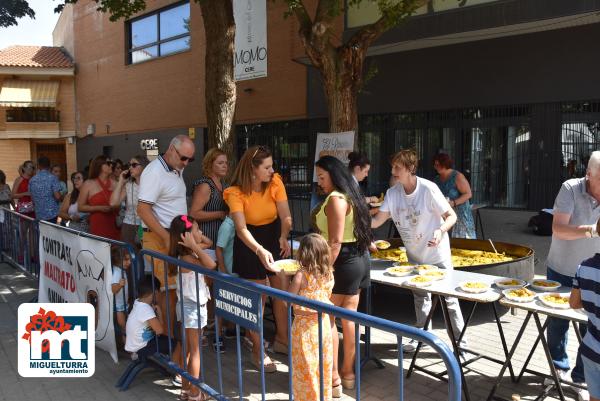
point(343, 219)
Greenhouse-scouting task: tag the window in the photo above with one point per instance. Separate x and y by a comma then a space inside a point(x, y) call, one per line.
point(161, 33)
point(32, 115)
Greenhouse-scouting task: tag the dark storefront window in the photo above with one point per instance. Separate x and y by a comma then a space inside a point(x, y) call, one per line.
point(497, 165)
point(159, 34)
point(580, 136)
point(32, 115)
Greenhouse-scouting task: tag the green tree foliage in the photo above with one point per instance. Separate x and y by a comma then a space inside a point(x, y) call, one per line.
point(11, 10)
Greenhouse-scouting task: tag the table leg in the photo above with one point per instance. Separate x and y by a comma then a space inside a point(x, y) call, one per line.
point(548, 356)
point(480, 223)
point(537, 340)
point(367, 355)
point(464, 330)
point(426, 326)
point(509, 357)
point(503, 340)
point(577, 331)
point(450, 332)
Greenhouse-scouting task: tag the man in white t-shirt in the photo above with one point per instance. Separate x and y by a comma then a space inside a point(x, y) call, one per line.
point(161, 198)
point(423, 218)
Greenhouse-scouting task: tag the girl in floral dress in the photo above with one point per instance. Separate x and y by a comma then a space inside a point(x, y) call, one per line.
point(314, 280)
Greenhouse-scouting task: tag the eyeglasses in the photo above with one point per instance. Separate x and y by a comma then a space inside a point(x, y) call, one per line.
point(77, 178)
point(184, 158)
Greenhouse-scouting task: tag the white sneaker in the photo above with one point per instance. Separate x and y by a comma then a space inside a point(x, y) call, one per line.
point(411, 346)
point(582, 394)
point(562, 375)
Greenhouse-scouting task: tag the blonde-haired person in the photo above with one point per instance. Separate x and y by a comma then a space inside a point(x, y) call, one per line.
point(208, 206)
point(259, 208)
point(314, 280)
point(423, 218)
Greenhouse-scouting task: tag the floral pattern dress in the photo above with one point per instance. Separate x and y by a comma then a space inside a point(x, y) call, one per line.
point(465, 225)
point(305, 343)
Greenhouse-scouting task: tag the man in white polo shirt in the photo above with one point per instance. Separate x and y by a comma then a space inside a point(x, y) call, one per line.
point(161, 198)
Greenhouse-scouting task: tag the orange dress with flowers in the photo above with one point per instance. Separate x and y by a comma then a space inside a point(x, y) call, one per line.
point(305, 343)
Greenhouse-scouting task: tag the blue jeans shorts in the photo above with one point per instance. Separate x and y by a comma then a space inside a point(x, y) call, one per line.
point(591, 370)
point(193, 317)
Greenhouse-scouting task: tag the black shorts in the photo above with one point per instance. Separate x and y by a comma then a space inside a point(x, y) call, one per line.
point(351, 270)
point(245, 262)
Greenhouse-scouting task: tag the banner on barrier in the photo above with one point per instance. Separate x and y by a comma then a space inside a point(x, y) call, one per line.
point(238, 305)
point(78, 269)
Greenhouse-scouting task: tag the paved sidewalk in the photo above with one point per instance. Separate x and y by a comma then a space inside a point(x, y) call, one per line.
point(376, 385)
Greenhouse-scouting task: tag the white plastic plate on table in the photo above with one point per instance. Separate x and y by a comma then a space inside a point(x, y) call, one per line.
point(278, 265)
point(407, 270)
point(413, 283)
point(425, 268)
point(535, 286)
point(542, 298)
point(463, 286)
point(435, 275)
point(520, 283)
point(513, 298)
point(382, 244)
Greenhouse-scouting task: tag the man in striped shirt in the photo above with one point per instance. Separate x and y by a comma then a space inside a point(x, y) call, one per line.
point(586, 294)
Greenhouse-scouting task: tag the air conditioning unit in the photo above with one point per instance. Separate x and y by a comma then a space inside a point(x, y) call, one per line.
point(91, 129)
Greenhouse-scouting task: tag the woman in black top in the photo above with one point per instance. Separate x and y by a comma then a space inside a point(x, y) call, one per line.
point(208, 206)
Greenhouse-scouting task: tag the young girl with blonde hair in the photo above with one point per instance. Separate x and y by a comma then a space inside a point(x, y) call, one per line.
point(314, 280)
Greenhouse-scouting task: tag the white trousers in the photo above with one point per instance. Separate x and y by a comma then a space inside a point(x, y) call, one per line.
point(423, 307)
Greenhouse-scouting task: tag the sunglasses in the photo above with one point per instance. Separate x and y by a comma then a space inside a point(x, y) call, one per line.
point(184, 158)
point(133, 165)
point(110, 162)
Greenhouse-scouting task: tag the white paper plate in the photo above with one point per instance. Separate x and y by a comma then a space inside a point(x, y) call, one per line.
point(498, 282)
point(417, 283)
point(382, 244)
point(544, 288)
point(435, 275)
point(423, 268)
point(408, 272)
point(513, 298)
point(463, 286)
point(278, 265)
point(551, 304)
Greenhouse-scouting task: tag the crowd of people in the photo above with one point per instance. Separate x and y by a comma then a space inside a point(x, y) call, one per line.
point(241, 227)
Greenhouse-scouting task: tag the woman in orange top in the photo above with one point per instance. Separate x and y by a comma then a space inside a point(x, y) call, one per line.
point(259, 208)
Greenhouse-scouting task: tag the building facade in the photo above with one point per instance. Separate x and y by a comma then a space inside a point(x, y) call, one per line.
point(507, 88)
point(37, 108)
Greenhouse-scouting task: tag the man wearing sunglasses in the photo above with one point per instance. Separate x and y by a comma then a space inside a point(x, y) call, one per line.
point(161, 198)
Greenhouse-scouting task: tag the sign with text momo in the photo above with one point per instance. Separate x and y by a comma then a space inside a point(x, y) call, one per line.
point(338, 145)
point(237, 304)
point(250, 57)
point(56, 340)
point(76, 269)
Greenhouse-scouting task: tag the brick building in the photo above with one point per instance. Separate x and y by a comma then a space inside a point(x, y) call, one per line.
point(507, 88)
point(37, 108)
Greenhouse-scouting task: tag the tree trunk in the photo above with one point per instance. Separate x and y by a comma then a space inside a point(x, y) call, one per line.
point(220, 89)
point(342, 76)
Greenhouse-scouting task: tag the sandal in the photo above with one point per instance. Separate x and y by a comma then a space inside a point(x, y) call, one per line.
point(336, 391)
point(348, 384)
point(199, 397)
point(270, 367)
point(184, 395)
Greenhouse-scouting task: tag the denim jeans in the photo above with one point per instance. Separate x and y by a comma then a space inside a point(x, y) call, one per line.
point(557, 335)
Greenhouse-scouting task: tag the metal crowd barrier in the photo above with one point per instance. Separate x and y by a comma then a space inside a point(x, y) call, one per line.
point(232, 297)
point(19, 245)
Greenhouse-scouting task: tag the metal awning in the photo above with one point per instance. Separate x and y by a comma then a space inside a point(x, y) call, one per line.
point(29, 93)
